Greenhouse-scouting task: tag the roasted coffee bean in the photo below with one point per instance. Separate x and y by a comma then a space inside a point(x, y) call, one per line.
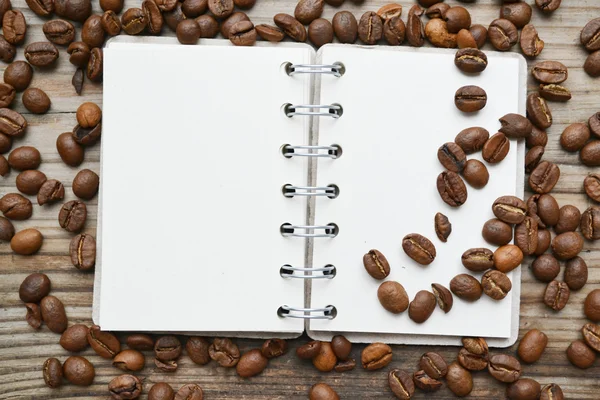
point(345, 26)
point(443, 227)
point(188, 32)
point(496, 148)
point(7, 95)
point(72, 216)
point(7, 50)
point(472, 361)
point(422, 306)
point(376, 264)
point(53, 314)
point(414, 27)
point(197, 350)
point(592, 305)
point(34, 288)
point(459, 380)
point(544, 177)
point(18, 74)
point(342, 346)
point(552, 392)
point(479, 33)
point(125, 387)
point(376, 356)
point(419, 248)
point(69, 150)
point(452, 157)
point(94, 67)
point(308, 10)
point(532, 346)
point(75, 10)
point(272, 348)
point(515, 126)
point(251, 363)
point(518, 13)
point(191, 8)
point(74, 339)
point(325, 360)
point(476, 346)
point(393, 297)
point(590, 154)
point(510, 209)
point(4, 166)
point(223, 351)
point(79, 371)
point(533, 158)
point(434, 365)
point(153, 15)
point(105, 344)
point(33, 315)
point(556, 295)
point(7, 230)
point(497, 232)
point(526, 237)
point(457, 18)
point(165, 5)
point(115, 6)
point(443, 297)
point(591, 335)
point(14, 27)
point(390, 11)
point(79, 54)
point(507, 258)
point(139, 341)
point(16, 207)
point(567, 245)
point(291, 26)
point(309, 350)
point(470, 60)
point(590, 35)
point(88, 115)
point(92, 32)
point(523, 389)
point(436, 31)
point(269, 33)
point(165, 366)
point(322, 391)
point(548, 6)
point(230, 21)
point(476, 173)
point(504, 368)
point(426, 383)
point(83, 252)
point(401, 384)
point(52, 372)
point(470, 98)
point(466, 287)
point(43, 8)
point(555, 92)
point(50, 192)
point(591, 185)
point(221, 9)
point(36, 100)
point(242, 34)
point(394, 31)
point(344, 366)
point(530, 42)
point(478, 259)
point(594, 124)
point(545, 267)
point(437, 10)
point(550, 72)
point(472, 140)
point(26, 242)
point(538, 111)
point(465, 39)
point(161, 391)
point(133, 21)
point(370, 28)
point(87, 136)
point(25, 157)
point(574, 137)
point(129, 360)
point(576, 273)
point(209, 27)
point(503, 34)
point(167, 348)
point(111, 24)
point(77, 81)
point(580, 355)
point(451, 188)
point(496, 284)
point(30, 181)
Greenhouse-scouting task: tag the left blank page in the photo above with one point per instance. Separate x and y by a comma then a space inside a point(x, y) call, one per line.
point(191, 191)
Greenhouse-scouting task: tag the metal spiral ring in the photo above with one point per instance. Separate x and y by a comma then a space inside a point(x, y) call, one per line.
point(332, 110)
point(336, 69)
point(328, 312)
point(328, 272)
point(331, 191)
point(334, 151)
point(330, 230)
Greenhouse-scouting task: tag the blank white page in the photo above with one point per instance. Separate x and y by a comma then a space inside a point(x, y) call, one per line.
point(192, 176)
point(398, 109)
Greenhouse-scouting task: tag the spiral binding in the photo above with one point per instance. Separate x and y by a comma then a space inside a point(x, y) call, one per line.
point(330, 230)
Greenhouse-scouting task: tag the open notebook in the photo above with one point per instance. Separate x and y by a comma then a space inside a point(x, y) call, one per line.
point(202, 148)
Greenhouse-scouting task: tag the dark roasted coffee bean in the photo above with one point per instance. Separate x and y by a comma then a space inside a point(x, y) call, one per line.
point(322, 391)
point(209, 27)
point(308, 10)
point(376, 264)
point(161, 391)
point(457, 18)
point(510, 209)
point(133, 21)
point(497, 232)
point(75, 10)
point(79, 371)
point(451, 188)
point(34, 288)
point(221, 9)
point(538, 111)
point(476, 346)
point(111, 24)
point(153, 15)
point(53, 314)
point(269, 33)
point(504, 368)
point(526, 236)
point(72, 216)
point(83, 251)
point(140, 341)
point(376, 356)
point(476, 173)
point(470, 98)
point(555, 92)
point(496, 148)
point(197, 350)
point(129, 360)
point(533, 158)
point(325, 360)
point(224, 352)
point(507, 258)
point(105, 344)
point(518, 13)
point(437, 10)
point(188, 32)
point(401, 384)
point(14, 27)
point(550, 72)
point(33, 315)
point(443, 227)
point(591, 335)
point(25, 157)
point(414, 27)
point(193, 8)
point(79, 54)
point(443, 297)
point(523, 389)
point(419, 248)
point(496, 284)
point(552, 392)
point(167, 348)
point(94, 67)
point(15, 207)
point(393, 297)
point(4, 166)
point(7, 50)
point(18, 74)
point(530, 42)
point(394, 31)
point(472, 139)
point(591, 185)
point(592, 64)
point(251, 364)
point(12, 124)
point(87, 137)
point(580, 355)
point(272, 348)
point(291, 26)
point(7, 95)
point(532, 346)
point(548, 6)
point(309, 350)
point(242, 34)
point(74, 339)
point(556, 295)
point(515, 126)
point(434, 365)
point(36, 100)
point(459, 380)
point(30, 181)
point(341, 347)
point(320, 32)
point(575, 136)
point(345, 26)
point(592, 305)
point(7, 230)
point(125, 387)
point(590, 154)
point(544, 239)
point(590, 35)
point(164, 5)
point(452, 157)
point(503, 34)
point(472, 361)
point(26, 242)
point(344, 366)
point(115, 6)
point(544, 177)
point(567, 245)
point(175, 16)
point(576, 273)
point(466, 287)
point(69, 150)
point(478, 259)
point(52, 372)
point(50, 192)
point(470, 60)
point(92, 32)
point(545, 267)
point(370, 28)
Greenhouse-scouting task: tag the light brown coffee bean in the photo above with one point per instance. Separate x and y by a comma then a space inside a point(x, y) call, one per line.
point(530, 42)
point(140, 341)
point(105, 344)
point(580, 355)
point(545, 268)
point(197, 350)
point(552, 392)
point(16, 207)
point(74, 339)
point(14, 27)
point(538, 111)
point(376, 264)
point(591, 335)
point(472, 361)
point(376, 356)
point(466, 287)
point(553, 92)
point(472, 140)
point(251, 363)
point(459, 380)
point(591, 185)
point(308, 10)
point(434, 365)
point(291, 26)
point(504, 368)
point(393, 297)
point(85, 184)
point(590, 154)
point(436, 31)
point(269, 33)
point(401, 384)
point(496, 284)
point(161, 391)
point(476, 173)
point(591, 306)
point(507, 258)
point(79, 371)
point(26, 242)
point(523, 389)
point(526, 237)
point(518, 13)
point(129, 360)
point(125, 387)
point(503, 34)
point(325, 360)
point(496, 148)
point(29, 181)
point(550, 72)
point(50, 192)
point(224, 352)
point(544, 177)
point(567, 245)
point(532, 346)
point(478, 259)
point(322, 391)
point(24, 157)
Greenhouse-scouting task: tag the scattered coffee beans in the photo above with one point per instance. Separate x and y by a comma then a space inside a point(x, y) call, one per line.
point(309, 350)
point(342, 347)
point(223, 351)
point(161, 391)
point(140, 341)
point(523, 389)
point(72, 216)
point(478, 259)
point(496, 284)
point(504, 368)
point(443, 227)
point(129, 360)
point(51, 191)
point(496, 148)
point(545, 268)
point(470, 98)
point(451, 188)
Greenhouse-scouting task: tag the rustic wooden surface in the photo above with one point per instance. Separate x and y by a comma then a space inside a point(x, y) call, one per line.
point(23, 350)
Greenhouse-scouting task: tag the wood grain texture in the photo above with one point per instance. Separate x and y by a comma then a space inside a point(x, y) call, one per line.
point(22, 350)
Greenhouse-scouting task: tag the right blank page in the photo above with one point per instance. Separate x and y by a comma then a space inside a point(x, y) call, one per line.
point(398, 110)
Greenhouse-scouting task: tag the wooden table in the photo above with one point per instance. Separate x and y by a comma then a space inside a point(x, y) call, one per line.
point(23, 350)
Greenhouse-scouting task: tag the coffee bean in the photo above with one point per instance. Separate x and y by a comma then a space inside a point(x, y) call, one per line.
point(7, 95)
point(478, 259)
point(437, 10)
point(470, 98)
point(133, 21)
point(547, 209)
point(594, 124)
point(16, 207)
point(544, 177)
point(165, 366)
point(94, 66)
point(451, 188)
point(14, 27)
point(576, 273)
point(141, 342)
point(530, 42)
point(41, 54)
point(18, 74)
point(221, 8)
point(69, 150)
point(188, 32)
point(476, 346)
point(509, 209)
point(50, 192)
point(77, 80)
point(309, 350)
point(504, 368)
point(345, 26)
point(344, 366)
point(389, 11)
point(394, 31)
point(53, 314)
point(230, 21)
point(436, 31)
point(590, 35)
point(466, 287)
point(291, 26)
point(83, 252)
point(242, 34)
point(79, 371)
point(496, 148)
point(545, 267)
point(269, 33)
point(503, 34)
point(459, 380)
point(414, 27)
point(370, 28)
point(167, 348)
point(465, 39)
point(322, 391)
point(4, 166)
point(34, 288)
point(251, 363)
point(223, 351)
point(580, 355)
point(87, 137)
point(476, 173)
point(125, 387)
point(175, 16)
point(552, 392)
point(443, 297)
point(376, 356)
point(92, 32)
point(550, 72)
point(342, 346)
point(555, 92)
point(507, 258)
point(36, 100)
point(419, 248)
point(590, 154)
point(538, 111)
point(79, 54)
point(74, 339)
point(25, 157)
point(111, 24)
point(548, 6)
point(72, 216)
point(472, 361)
point(592, 305)
point(393, 297)
point(471, 61)
point(422, 306)
point(376, 264)
point(457, 18)
point(518, 13)
point(308, 10)
point(34, 315)
point(591, 185)
point(574, 137)
point(129, 360)
point(443, 227)
point(434, 365)
point(52, 372)
point(523, 389)
point(425, 383)
point(325, 360)
point(75, 10)
point(197, 350)
point(556, 295)
point(479, 33)
point(153, 17)
point(30, 181)
point(401, 384)
point(472, 139)
point(567, 245)
point(112, 5)
point(452, 157)
point(164, 5)
point(497, 232)
point(7, 50)
point(591, 335)
point(515, 126)
point(533, 158)
point(496, 284)
point(26, 242)
point(209, 27)
point(105, 344)
point(532, 346)
point(192, 8)
point(161, 391)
